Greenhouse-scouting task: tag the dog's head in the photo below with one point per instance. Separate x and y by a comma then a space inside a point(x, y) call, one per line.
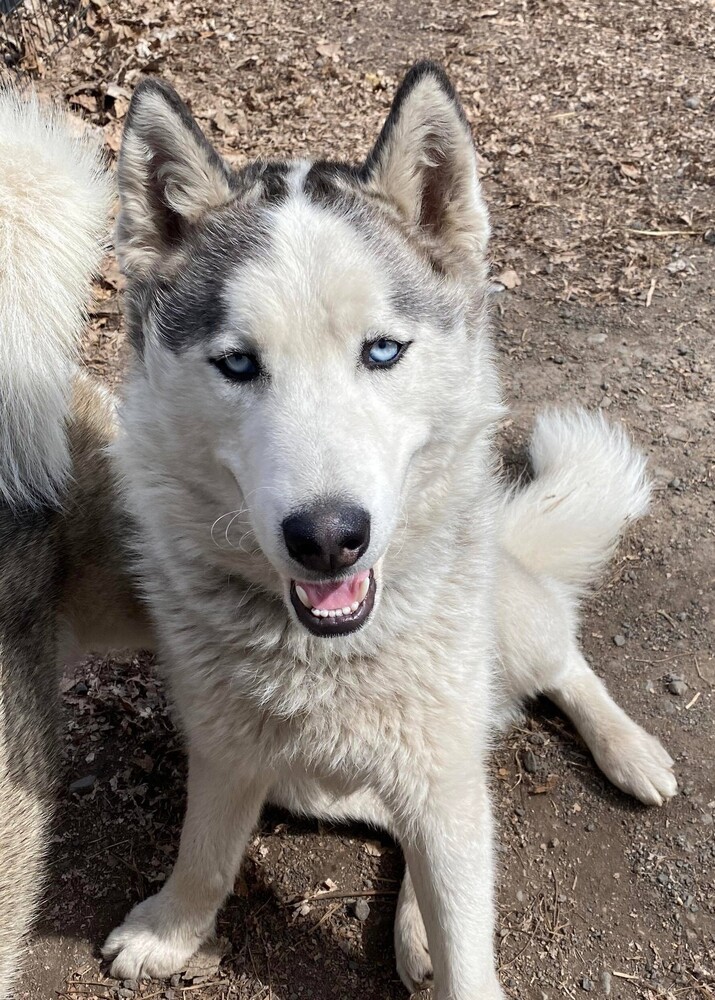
point(308, 334)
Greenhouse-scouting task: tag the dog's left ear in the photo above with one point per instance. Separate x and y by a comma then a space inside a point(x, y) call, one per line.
point(424, 163)
point(169, 175)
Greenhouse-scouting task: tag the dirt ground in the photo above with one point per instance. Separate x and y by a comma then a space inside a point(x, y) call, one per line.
point(595, 125)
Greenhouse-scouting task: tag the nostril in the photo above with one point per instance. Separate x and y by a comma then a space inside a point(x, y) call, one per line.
point(353, 541)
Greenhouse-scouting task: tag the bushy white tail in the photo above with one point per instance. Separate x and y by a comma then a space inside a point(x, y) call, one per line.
point(54, 202)
point(589, 483)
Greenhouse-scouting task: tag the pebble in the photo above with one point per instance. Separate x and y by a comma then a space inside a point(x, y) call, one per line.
point(175, 980)
point(677, 433)
point(558, 359)
point(590, 827)
point(586, 984)
point(674, 484)
point(81, 688)
point(597, 338)
point(606, 982)
point(619, 640)
point(530, 764)
point(130, 984)
point(692, 102)
point(677, 686)
point(361, 909)
point(84, 785)
point(125, 993)
point(663, 879)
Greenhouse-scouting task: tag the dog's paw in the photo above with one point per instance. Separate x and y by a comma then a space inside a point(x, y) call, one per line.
point(414, 964)
point(638, 764)
point(152, 942)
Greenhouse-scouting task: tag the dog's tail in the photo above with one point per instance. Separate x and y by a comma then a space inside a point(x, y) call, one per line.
point(54, 202)
point(589, 483)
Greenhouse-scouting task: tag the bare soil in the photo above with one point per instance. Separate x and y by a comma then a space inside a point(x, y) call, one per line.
point(595, 123)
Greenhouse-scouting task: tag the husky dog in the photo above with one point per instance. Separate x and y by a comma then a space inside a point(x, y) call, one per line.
point(347, 597)
point(63, 583)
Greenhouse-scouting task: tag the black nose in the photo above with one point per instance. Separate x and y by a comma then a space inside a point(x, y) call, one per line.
point(329, 536)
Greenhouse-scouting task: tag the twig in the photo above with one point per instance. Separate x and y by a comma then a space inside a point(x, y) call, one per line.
point(697, 667)
point(326, 916)
point(693, 700)
point(665, 232)
point(649, 296)
point(334, 894)
point(668, 618)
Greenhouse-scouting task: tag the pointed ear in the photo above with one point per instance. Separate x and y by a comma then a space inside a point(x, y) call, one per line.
point(424, 164)
point(169, 176)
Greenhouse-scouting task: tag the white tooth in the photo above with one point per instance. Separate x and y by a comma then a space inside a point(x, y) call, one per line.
point(346, 611)
point(338, 612)
point(355, 606)
point(364, 587)
point(331, 614)
point(315, 611)
point(323, 613)
point(302, 596)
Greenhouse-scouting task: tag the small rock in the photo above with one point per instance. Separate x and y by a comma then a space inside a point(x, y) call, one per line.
point(606, 983)
point(677, 266)
point(674, 484)
point(130, 984)
point(124, 994)
point(555, 842)
point(175, 980)
point(663, 879)
point(84, 785)
point(590, 827)
point(361, 909)
point(692, 102)
point(558, 359)
point(538, 739)
point(597, 338)
point(677, 686)
point(81, 688)
point(677, 433)
point(530, 764)
point(586, 984)
point(619, 640)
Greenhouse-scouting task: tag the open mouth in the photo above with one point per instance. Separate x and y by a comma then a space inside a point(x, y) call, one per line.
point(337, 608)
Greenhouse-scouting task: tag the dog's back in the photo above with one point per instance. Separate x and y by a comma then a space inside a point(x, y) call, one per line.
point(53, 208)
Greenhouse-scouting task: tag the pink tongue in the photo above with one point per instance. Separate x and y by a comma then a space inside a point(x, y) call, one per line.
point(331, 596)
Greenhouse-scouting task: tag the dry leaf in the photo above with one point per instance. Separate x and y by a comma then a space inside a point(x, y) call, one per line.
point(508, 278)
point(630, 170)
point(330, 50)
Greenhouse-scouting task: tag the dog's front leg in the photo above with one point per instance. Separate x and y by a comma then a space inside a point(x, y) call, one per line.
point(448, 849)
point(161, 934)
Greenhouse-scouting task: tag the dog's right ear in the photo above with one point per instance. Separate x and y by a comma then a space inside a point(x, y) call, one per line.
point(169, 177)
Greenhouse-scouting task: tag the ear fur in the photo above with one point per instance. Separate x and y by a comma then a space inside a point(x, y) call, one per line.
point(425, 165)
point(169, 177)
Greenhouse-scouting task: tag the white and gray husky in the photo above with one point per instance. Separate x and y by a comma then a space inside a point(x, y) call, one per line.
point(347, 598)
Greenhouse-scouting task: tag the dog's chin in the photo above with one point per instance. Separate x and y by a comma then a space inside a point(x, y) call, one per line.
point(336, 608)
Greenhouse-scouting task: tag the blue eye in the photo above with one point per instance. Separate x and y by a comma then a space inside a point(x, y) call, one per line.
point(238, 367)
point(382, 353)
